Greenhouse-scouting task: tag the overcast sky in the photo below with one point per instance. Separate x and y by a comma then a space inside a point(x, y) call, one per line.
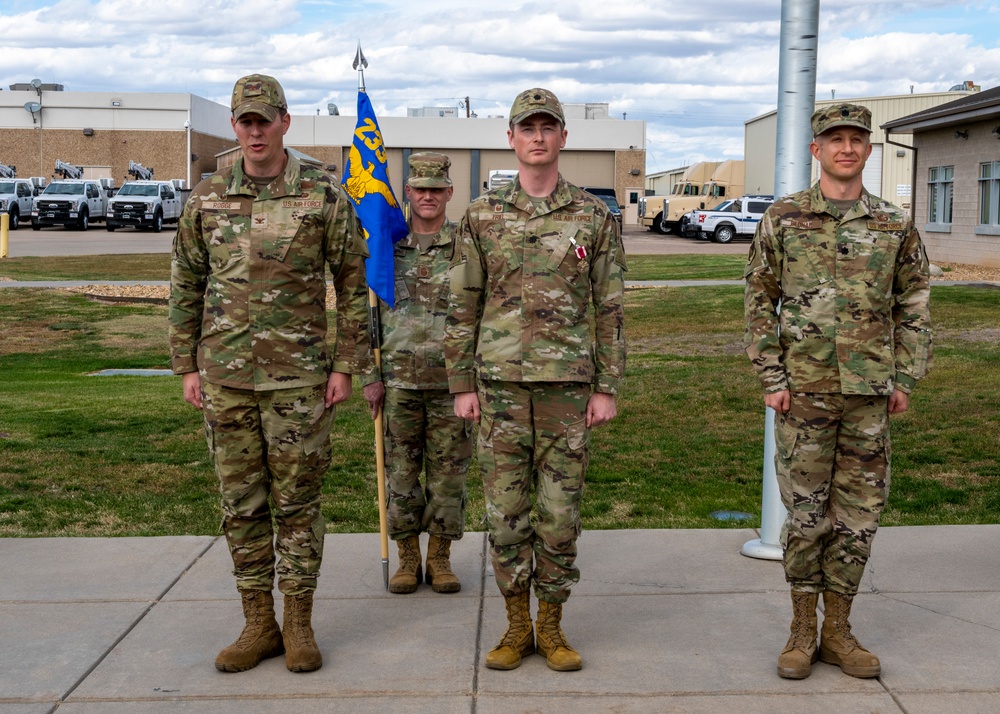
point(694, 71)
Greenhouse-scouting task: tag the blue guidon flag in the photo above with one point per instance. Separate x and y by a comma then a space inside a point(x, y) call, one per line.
point(366, 181)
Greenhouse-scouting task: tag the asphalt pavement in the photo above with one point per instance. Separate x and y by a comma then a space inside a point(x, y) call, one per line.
point(97, 241)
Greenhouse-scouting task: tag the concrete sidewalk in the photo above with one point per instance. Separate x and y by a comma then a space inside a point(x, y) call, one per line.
point(666, 621)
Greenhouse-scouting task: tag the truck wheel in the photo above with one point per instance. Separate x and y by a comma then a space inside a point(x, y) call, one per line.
point(15, 218)
point(83, 223)
point(111, 228)
point(35, 225)
point(724, 234)
point(157, 222)
point(658, 224)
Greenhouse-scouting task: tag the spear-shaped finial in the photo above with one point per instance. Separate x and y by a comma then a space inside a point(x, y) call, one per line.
point(360, 64)
point(359, 58)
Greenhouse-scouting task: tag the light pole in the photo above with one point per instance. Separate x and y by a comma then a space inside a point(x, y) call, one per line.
point(34, 108)
point(187, 130)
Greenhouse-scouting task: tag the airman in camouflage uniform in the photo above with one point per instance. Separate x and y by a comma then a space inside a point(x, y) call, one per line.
point(248, 334)
point(849, 343)
point(421, 430)
point(537, 271)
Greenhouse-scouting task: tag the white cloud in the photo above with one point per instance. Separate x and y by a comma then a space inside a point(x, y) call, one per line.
point(695, 72)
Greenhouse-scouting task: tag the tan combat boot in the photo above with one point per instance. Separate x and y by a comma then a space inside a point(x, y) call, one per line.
point(796, 660)
point(551, 640)
point(408, 576)
point(439, 574)
point(301, 652)
point(519, 639)
point(260, 638)
point(837, 645)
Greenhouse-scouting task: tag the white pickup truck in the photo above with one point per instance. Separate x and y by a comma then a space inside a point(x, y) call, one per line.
point(69, 202)
point(15, 199)
point(732, 218)
point(144, 204)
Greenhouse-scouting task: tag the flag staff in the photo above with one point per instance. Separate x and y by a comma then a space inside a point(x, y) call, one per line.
point(374, 321)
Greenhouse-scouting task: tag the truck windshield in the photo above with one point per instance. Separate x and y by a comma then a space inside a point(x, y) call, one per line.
point(65, 189)
point(131, 189)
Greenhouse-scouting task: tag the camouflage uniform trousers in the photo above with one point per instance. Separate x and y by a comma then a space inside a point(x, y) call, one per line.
point(422, 433)
point(533, 437)
point(832, 462)
point(271, 450)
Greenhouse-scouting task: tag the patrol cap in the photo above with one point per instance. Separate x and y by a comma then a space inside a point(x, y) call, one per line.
point(536, 101)
point(258, 94)
point(429, 169)
point(841, 115)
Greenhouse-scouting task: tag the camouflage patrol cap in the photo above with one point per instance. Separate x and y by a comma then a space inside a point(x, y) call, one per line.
point(841, 115)
point(535, 101)
point(429, 170)
point(258, 94)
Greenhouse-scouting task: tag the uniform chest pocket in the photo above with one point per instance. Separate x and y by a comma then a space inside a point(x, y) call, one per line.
point(804, 264)
point(227, 237)
point(570, 256)
point(275, 233)
point(879, 257)
point(498, 250)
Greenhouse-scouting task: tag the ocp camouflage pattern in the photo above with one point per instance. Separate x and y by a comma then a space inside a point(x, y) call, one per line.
point(525, 282)
point(280, 476)
point(854, 292)
point(423, 435)
point(413, 332)
point(533, 441)
point(832, 455)
point(248, 285)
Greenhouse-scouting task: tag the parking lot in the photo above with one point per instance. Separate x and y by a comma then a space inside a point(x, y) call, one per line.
point(98, 241)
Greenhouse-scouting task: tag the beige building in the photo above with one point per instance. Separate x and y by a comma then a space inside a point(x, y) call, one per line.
point(889, 171)
point(956, 158)
point(185, 136)
point(663, 182)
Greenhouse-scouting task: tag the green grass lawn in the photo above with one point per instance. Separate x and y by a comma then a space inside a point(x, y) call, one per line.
point(116, 456)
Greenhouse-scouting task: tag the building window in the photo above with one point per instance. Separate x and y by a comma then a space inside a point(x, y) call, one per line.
point(939, 194)
point(989, 194)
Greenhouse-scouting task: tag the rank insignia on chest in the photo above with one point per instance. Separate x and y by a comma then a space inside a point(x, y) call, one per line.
point(260, 221)
point(423, 271)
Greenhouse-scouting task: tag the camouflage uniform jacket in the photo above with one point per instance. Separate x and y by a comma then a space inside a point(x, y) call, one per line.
point(248, 284)
point(413, 333)
point(537, 294)
point(854, 294)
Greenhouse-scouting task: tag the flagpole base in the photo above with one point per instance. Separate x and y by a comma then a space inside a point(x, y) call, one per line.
point(757, 548)
point(385, 572)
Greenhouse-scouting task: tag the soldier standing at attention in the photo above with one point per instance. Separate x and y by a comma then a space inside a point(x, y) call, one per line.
point(851, 276)
point(537, 271)
point(248, 334)
point(422, 432)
